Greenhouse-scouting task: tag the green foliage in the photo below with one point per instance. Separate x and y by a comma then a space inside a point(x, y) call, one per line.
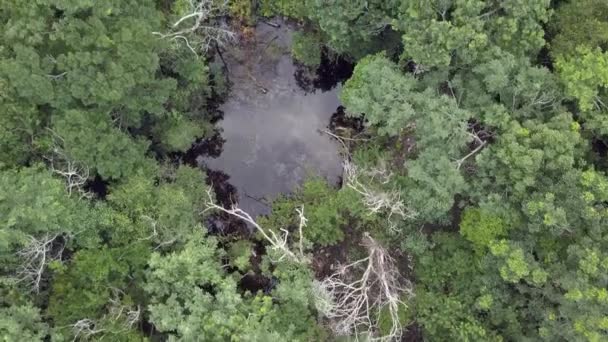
point(480, 227)
point(306, 48)
point(35, 204)
point(178, 133)
point(526, 91)
point(163, 213)
point(466, 118)
point(323, 207)
point(293, 9)
point(579, 49)
point(585, 74)
point(378, 90)
point(347, 26)
point(84, 287)
point(571, 31)
point(114, 156)
point(22, 323)
point(242, 9)
point(450, 313)
point(96, 74)
point(192, 298)
point(179, 301)
point(445, 317)
point(431, 184)
point(296, 302)
point(440, 33)
point(385, 322)
point(530, 155)
point(240, 253)
point(393, 103)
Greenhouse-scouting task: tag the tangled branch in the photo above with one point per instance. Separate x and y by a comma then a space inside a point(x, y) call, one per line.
point(353, 304)
point(84, 329)
point(36, 256)
point(75, 175)
point(278, 242)
point(154, 235)
point(377, 201)
point(120, 312)
point(204, 32)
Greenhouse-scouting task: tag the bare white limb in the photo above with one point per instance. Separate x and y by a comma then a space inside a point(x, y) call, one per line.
point(354, 297)
point(132, 316)
point(128, 316)
point(278, 242)
point(75, 174)
point(200, 28)
point(302, 224)
point(155, 235)
point(84, 329)
point(377, 201)
point(481, 144)
point(36, 255)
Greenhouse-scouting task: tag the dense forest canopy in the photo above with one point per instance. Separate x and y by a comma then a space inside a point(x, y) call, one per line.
point(474, 200)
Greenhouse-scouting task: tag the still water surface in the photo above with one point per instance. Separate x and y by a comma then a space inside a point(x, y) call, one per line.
point(272, 127)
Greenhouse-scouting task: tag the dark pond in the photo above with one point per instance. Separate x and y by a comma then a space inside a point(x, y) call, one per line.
point(273, 120)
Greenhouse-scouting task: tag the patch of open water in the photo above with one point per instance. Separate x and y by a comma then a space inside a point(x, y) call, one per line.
point(273, 120)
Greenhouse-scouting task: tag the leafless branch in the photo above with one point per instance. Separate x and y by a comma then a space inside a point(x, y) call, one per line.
point(84, 329)
point(339, 137)
point(118, 311)
point(302, 224)
point(278, 242)
point(75, 174)
point(204, 31)
point(377, 201)
point(36, 256)
point(481, 144)
point(58, 76)
point(356, 295)
point(154, 235)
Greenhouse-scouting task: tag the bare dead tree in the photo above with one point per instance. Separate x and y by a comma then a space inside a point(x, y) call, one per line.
point(75, 174)
point(354, 297)
point(36, 255)
point(200, 29)
point(278, 242)
point(377, 200)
